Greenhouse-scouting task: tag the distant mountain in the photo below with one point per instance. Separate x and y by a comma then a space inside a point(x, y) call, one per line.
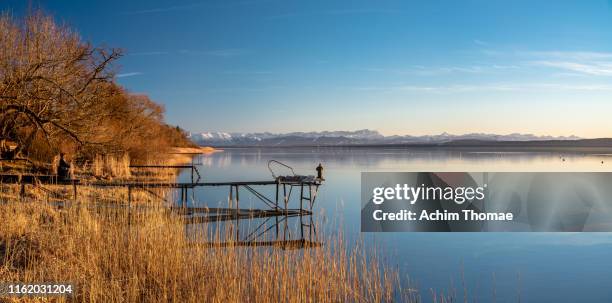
point(359, 137)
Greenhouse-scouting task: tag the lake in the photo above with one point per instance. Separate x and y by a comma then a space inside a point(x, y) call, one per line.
point(559, 267)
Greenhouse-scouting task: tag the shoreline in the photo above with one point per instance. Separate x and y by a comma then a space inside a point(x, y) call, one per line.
point(194, 150)
point(183, 155)
point(476, 149)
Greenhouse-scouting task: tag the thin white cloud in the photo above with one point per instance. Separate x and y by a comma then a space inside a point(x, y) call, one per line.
point(568, 55)
point(230, 52)
point(442, 70)
point(132, 74)
point(589, 68)
point(581, 62)
point(496, 87)
point(474, 69)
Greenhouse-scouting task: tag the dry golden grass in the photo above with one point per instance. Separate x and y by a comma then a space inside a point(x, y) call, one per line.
point(117, 254)
point(117, 168)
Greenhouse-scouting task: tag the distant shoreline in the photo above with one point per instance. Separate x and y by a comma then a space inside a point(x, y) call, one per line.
point(603, 145)
point(183, 155)
point(195, 150)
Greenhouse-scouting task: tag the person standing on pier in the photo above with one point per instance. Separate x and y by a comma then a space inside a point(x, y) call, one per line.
point(63, 168)
point(320, 172)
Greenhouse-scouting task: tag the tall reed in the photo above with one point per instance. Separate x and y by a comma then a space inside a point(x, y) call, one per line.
point(117, 254)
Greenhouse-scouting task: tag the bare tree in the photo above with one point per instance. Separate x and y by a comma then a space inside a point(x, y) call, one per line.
point(57, 91)
point(53, 86)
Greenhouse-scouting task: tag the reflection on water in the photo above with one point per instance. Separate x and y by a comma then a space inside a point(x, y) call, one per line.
point(285, 231)
point(560, 267)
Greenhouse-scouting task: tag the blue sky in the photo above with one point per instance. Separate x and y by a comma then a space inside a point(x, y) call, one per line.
point(400, 67)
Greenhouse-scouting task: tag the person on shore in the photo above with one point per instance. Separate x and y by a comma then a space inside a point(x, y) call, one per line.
point(5, 151)
point(63, 168)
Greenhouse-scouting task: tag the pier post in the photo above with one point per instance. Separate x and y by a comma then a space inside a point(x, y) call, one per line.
point(184, 196)
point(230, 206)
point(285, 196)
point(22, 190)
point(231, 197)
point(276, 217)
point(237, 214)
point(301, 211)
point(276, 196)
point(193, 196)
point(301, 197)
point(129, 188)
point(74, 189)
point(301, 226)
point(314, 195)
point(237, 199)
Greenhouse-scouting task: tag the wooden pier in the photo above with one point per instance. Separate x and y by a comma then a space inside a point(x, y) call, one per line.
point(276, 206)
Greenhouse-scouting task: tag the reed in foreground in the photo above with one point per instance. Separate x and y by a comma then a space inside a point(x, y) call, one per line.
point(114, 255)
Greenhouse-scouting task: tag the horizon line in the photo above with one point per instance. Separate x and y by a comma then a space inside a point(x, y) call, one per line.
point(402, 135)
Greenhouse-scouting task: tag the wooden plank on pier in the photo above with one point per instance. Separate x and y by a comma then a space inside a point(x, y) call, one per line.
point(162, 166)
point(190, 185)
point(32, 178)
point(284, 244)
point(52, 179)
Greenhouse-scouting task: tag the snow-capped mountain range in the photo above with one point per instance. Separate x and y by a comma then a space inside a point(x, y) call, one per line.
point(359, 137)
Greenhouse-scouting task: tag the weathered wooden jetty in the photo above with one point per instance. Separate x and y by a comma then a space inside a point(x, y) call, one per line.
point(308, 185)
point(275, 206)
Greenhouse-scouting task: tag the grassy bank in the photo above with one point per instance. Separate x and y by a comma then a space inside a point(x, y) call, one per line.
point(115, 257)
point(114, 254)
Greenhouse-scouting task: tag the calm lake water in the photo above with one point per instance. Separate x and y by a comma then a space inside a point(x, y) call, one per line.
point(550, 267)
